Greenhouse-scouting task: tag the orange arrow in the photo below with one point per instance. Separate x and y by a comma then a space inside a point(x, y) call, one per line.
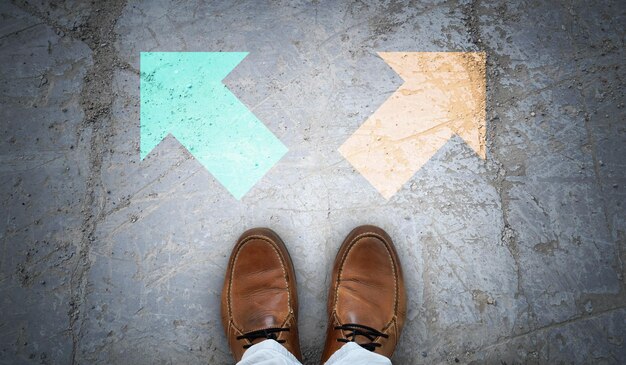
point(443, 95)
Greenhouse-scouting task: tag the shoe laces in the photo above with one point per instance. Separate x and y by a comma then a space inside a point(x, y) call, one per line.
point(267, 333)
point(360, 330)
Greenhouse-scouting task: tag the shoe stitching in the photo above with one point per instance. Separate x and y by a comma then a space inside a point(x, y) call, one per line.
point(240, 245)
point(354, 241)
point(343, 259)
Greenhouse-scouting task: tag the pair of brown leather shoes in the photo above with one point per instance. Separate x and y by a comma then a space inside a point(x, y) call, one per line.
point(366, 303)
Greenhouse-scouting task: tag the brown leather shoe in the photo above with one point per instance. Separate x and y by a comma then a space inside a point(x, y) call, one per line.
point(367, 299)
point(259, 299)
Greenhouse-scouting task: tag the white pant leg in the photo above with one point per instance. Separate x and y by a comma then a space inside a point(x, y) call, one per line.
point(268, 352)
point(353, 354)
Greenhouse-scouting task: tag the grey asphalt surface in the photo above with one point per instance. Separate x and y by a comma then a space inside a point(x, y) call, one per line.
point(107, 259)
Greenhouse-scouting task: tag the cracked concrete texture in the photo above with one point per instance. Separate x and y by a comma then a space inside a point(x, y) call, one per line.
point(109, 259)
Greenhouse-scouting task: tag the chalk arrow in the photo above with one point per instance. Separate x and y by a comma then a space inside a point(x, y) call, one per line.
point(443, 95)
point(182, 94)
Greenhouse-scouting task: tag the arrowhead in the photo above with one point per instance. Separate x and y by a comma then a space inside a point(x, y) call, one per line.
point(454, 80)
point(168, 79)
point(182, 93)
point(443, 94)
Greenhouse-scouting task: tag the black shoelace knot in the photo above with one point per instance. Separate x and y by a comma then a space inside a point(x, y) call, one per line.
point(267, 333)
point(360, 330)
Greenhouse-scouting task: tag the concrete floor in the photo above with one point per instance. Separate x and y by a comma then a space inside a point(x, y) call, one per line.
point(107, 259)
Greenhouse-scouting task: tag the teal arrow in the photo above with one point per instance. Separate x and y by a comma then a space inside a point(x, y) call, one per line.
point(182, 94)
